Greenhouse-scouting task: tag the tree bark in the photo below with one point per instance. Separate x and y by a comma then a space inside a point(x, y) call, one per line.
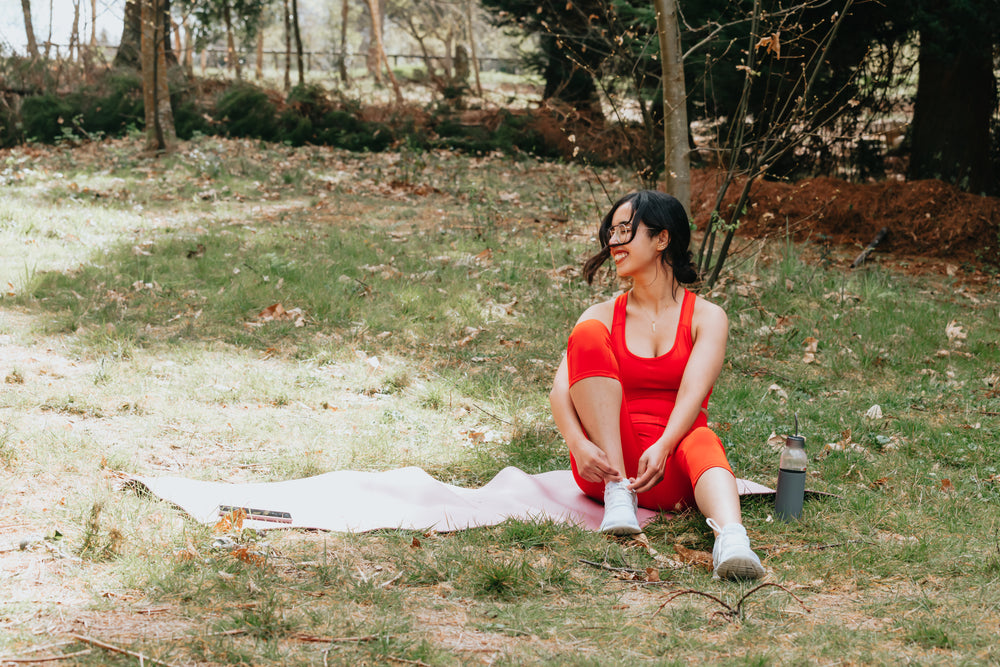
point(232, 57)
point(48, 40)
point(187, 59)
point(167, 26)
point(956, 96)
point(675, 124)
point(155, 93)
point(74, 35)
point(375, 10)
point(342, 65)
point(29, 30)
point(128, 54)
point(298, 41)
point(259, 70)
point(472, 47)
point(93, 23)
point(288, 46)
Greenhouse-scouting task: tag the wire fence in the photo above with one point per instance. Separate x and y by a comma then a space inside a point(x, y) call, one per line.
point(313, 61)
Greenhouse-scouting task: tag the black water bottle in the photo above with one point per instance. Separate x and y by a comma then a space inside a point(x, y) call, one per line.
point(791, 479)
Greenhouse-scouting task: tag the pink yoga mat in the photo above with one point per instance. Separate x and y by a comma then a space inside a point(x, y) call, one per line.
point(406, 498)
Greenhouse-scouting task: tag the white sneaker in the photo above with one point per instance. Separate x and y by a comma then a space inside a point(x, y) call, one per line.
point(732, 556)
point(620, 510)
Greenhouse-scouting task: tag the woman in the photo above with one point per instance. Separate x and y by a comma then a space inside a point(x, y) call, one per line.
point(631, 394)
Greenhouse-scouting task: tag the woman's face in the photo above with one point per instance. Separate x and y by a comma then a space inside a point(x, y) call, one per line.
point(632, 256)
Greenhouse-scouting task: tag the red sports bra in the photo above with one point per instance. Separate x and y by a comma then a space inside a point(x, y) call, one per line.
point(650, 384)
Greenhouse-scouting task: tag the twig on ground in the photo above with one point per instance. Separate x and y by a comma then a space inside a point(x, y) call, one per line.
point(407, 662)
point(142, 658)
point(316, 639)
point(46, 658)
point(611, 568)
point(731, 612)
point(386, 584)
point(643, 575)
point(860, 259)
point(222, 633)
point(45, 647)
point(814, 547)
point(490, 414)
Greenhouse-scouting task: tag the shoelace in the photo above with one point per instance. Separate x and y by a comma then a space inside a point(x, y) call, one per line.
point(620, 498)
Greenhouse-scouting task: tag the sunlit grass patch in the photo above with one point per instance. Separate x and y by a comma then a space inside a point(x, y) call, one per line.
point(433, 314)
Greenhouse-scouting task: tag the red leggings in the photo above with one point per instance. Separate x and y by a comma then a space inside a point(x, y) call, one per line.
point(591, 354)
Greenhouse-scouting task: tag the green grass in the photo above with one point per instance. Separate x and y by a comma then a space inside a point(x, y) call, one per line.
point(419, 347)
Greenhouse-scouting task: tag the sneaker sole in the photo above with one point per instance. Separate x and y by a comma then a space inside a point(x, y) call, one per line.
point(621, 530)
point(740, 568)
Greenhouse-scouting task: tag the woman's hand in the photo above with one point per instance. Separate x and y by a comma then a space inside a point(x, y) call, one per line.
point(652, 463)
point(592, 463)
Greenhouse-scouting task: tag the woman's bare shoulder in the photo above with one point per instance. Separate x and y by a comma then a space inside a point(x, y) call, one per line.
point(708, 314)
point(603, 312)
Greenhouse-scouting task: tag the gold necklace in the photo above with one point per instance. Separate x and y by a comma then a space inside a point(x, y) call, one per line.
point(652, 320)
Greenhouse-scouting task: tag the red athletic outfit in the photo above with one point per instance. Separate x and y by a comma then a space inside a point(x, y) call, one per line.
point(649, 388)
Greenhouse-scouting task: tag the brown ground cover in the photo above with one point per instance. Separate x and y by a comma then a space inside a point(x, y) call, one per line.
point(925, 218)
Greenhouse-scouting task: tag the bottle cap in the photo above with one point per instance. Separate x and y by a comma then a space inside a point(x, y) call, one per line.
point(795, 441)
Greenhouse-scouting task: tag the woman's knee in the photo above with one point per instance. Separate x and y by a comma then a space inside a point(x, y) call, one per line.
point(590, 351)
point(700, 450)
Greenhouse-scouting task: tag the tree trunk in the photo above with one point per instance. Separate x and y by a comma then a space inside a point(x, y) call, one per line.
point(472, 47)
point(166, 25)
point(93, 23)
point(187, 58)
point(298, 41)
point(342, 65)
point(449, 50)
point(259, 70)
point(156, 96)
point(128, 54)
point(233, 58)
point(74, 35)
point(30, 31)
point(956, 96)
point(288, 46)
point(48, 40)
point(675, 124)
point(373, 7)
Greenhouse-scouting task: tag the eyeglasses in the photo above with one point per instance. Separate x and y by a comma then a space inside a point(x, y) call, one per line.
point(622, 232)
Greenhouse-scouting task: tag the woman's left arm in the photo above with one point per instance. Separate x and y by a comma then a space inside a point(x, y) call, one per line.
point(710, 331)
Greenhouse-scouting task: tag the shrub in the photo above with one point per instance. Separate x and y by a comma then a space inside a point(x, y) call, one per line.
point(43, 116)
point(246, 111)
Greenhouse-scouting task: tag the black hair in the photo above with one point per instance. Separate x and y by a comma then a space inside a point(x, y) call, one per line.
point(658, 211)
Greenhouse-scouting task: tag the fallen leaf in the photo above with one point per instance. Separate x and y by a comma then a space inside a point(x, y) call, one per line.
point(776, 441)
point(230, 521)
point(778, 391)
point(276, 313)
point(483, 258)
point(810, 345)
point(874, 412)
point(470, 335)
point(415, 544)
point(845, 444)
point(841, 297)
point(652, 574)
point(694, 557)
point(946, 485)
point(955, 332)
